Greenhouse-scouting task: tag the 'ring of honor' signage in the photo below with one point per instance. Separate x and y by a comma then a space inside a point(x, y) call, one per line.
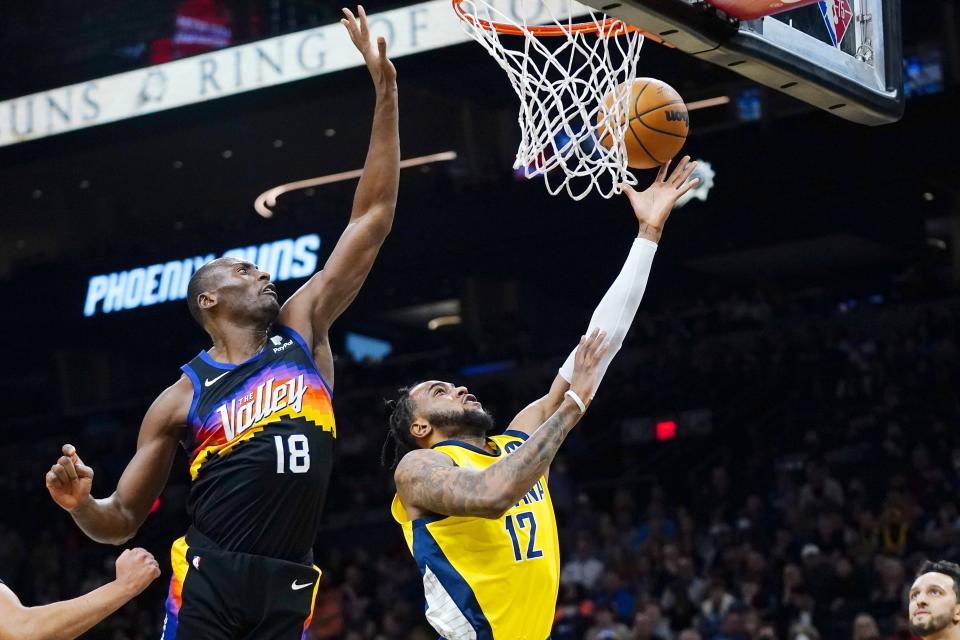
point(144, 286)
point(295, 56)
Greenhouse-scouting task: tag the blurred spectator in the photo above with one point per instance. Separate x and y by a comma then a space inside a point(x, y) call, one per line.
point(583, 568)
point(865, 628)
point(606, 627)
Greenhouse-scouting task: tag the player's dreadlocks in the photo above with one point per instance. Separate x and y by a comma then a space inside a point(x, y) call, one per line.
point(398, 430)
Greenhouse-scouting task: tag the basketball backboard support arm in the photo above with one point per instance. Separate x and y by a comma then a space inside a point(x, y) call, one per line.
point(866, 88)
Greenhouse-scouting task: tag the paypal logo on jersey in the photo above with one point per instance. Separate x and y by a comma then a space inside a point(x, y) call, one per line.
point(144, 286)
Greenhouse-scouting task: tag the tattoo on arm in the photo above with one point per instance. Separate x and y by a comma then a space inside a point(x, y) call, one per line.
point(427, 481)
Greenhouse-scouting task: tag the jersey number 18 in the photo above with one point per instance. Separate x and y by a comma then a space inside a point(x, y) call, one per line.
point(299, 453)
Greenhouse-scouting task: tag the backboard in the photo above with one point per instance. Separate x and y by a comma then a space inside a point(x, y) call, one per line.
point(843, 56)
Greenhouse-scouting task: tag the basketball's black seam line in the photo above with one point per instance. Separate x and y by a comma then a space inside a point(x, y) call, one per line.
point(642, 146)
point(659, 106)
point(666, 133)
point(636, 100)
point(639, 141)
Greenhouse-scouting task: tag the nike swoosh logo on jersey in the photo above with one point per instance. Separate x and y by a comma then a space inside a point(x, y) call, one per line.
point(209, 382)
point(297, 587)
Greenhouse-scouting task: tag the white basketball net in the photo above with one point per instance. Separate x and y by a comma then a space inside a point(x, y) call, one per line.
point(562, 82)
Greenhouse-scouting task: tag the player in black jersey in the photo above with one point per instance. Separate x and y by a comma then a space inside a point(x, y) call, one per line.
point(254, 413)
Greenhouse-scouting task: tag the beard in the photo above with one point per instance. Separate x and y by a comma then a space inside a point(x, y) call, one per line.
point(267, 310)
point(465, 422)
point(933, 624)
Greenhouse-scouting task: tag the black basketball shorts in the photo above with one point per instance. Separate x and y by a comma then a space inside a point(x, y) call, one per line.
point(220, 595)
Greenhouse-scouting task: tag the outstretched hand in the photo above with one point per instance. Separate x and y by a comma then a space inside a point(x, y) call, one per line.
point(381, 69)
point(653, 205)
point(587, 364)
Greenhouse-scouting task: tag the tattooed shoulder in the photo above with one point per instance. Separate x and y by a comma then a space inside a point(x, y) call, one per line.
point(430, 483)
point(418, 462)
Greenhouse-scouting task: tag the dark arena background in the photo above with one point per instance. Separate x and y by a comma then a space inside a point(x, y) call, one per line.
point(773, 454)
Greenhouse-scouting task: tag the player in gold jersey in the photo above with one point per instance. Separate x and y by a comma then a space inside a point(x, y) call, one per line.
point(475, 509)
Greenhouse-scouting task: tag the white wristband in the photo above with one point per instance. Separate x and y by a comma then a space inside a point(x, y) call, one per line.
point(570, 393)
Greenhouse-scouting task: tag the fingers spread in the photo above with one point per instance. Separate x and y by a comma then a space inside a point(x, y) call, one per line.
point(689, 185)
point(662, 172)
point(675, 178)
point(363, 21)
point(688, 172)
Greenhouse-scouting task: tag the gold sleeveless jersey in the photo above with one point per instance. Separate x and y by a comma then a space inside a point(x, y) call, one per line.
point(483, 578)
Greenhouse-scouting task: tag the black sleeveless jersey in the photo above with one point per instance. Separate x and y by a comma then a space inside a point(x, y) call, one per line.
point(260, 441)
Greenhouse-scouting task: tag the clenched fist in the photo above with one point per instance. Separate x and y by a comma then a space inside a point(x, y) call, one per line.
point(136, 569)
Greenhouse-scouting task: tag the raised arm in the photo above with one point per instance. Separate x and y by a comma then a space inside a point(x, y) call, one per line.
point(313, 308)
point(429, 483)
point(533, 415)
point(66, 620)
point(116, 519)
point(619, 305)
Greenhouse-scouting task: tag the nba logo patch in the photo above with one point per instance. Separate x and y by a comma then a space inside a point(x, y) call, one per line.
point(196, 562)
point(837, 16)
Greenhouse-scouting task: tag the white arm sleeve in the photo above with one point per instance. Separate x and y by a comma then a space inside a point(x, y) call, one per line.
point(619, 305)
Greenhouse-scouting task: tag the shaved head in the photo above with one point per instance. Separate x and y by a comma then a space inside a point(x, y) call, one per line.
point(234, 291)
point(203, 279)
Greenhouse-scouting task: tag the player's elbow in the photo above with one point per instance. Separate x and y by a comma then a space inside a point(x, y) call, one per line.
point(113, 539)
point(495, 506)
point(119, 539)
point(117, 536)
point(381, 221)
point(123, 535)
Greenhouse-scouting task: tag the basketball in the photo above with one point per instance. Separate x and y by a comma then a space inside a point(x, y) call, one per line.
point(657, 127)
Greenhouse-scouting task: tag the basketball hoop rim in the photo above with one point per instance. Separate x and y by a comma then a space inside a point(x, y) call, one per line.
point(606, 27)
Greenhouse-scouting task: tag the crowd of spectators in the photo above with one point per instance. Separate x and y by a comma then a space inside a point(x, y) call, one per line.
point(830, 474)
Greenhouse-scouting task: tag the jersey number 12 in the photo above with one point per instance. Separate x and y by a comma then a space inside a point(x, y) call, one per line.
point(299, 453)
point(523, 521)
